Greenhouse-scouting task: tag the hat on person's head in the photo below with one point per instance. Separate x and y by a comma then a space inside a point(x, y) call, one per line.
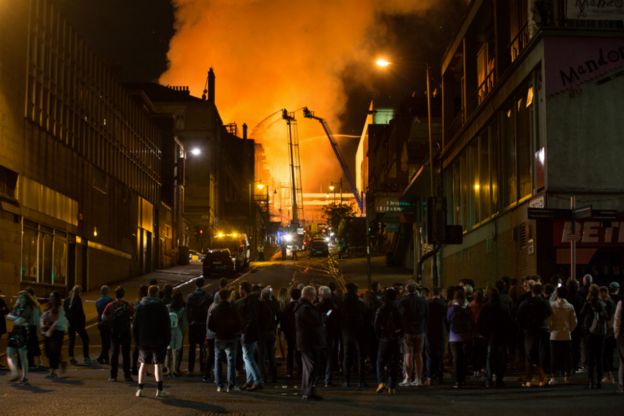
point(613, 286)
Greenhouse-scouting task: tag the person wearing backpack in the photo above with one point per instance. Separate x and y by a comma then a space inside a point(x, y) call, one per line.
point(532, 316)
point(178, 321)
point(618, 332)
point(460, 332)
point(594, 317)
point(118, 315)
point(415, 313)
point(388, 326)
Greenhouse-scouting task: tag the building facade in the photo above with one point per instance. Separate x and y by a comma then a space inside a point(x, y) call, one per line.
point(79, 160)
point(532, 103)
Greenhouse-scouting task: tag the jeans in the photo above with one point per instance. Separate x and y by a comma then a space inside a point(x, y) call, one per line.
point(266, 356)
point(106, 341)
point(352, 352)
point(595, 351)
point(560, 358)
point(435, 357)
point(254, 375)
point(388, 355)
point(120, 342)
point(293, 358)
point(458, 349)
point(536, 345)
point(230, 347)
point(496, 360)
point(53, 345)
point(71, 333)
point(197, 334)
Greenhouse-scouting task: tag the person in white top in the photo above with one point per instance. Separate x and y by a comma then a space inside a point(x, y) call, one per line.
point(561, 323)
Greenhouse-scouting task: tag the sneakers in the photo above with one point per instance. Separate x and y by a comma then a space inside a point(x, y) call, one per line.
point(405, 383)
point(416, 383)
point(162, 394)
point(220, 389)
point(552, 381)
point(139, 393)
point(380, 388)
point(526, 384)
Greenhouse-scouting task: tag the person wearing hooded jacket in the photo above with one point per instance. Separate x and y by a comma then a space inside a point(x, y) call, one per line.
point(152, 334)
point(561, 324)
point(310, 341)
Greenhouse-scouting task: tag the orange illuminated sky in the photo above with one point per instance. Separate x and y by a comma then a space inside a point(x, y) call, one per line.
point(274, 54)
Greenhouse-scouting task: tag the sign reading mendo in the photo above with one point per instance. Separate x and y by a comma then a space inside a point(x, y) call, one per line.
point(595, 9)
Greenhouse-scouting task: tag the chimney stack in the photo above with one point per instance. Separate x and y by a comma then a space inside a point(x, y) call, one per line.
point(244, 131)
point(211, 86)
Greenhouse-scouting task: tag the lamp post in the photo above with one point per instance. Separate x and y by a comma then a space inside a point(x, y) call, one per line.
point(332, 188)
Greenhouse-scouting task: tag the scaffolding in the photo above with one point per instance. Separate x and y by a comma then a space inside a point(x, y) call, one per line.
point(296, 188)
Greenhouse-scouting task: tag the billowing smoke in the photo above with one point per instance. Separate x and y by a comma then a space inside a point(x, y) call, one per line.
point(273, 54)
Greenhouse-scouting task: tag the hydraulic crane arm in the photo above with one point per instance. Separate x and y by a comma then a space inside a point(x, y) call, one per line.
point(345, 169)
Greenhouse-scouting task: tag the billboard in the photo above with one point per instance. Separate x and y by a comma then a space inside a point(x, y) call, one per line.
point(595, 9)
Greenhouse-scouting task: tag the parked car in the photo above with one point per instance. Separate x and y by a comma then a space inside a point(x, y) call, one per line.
point(219, 262)
point(318, 247)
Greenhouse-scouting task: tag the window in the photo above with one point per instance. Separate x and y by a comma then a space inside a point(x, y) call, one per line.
point(509, 191)
point(523, 130)
point(30, 246)
point(59, 258)
point(494, 165)
point(45, 258)
point(482, 186)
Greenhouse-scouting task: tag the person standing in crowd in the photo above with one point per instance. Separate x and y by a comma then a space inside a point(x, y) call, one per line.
point(118, 316)
point(308, 325)
point(166, 296)
point(76, 317)
point(152, 333)
point(533, 315)
point(224, 321)
point(103, 328)
point(577, 301)
point(618, 333)
point(594, 317)
point(415, 312)
point(269, 311)
point(496, 326)
point(178, 322)
point(354, 334)
point(389, 326)
point(561, 323)
point(197, 305)
point(17, 346)
point(479, 343)
point(609, 348)
point(372, 300)
point(287, 324)
point(460, 324)
point(135, 352)
point(331, 329)
point(249, 307)
point(53, 326)
point(436, 335)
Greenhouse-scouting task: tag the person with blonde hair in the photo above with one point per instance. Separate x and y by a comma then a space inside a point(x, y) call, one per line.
point(21, 316)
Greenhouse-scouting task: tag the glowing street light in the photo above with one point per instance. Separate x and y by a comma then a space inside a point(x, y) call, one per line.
point(196, 151)
point(260, 186)
point(382, 62)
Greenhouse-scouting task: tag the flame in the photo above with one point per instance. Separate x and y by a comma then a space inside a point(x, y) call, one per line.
point(274, 54)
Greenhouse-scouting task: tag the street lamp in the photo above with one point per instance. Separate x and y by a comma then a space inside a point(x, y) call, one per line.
point(196, 151)
point(332, 188)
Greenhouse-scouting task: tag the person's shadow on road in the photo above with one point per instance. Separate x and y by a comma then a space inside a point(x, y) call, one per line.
point(31, 388)
point(189, 404)
point(68, 381)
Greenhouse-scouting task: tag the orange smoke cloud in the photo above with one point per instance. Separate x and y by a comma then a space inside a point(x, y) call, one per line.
point(273, 54)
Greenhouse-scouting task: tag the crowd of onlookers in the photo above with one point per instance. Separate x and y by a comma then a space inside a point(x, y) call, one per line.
point(402, 335)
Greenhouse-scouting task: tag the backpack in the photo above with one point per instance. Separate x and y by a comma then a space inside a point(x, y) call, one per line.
point(461, 322)
point(173, 319)
point(120, 317)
